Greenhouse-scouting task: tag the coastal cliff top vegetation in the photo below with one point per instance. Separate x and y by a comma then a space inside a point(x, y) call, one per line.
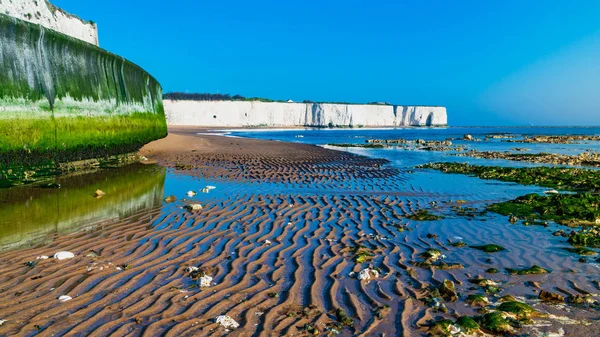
point(185, 96)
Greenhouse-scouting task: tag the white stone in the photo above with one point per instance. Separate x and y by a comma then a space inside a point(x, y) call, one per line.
point(205, 281)
point(367, 274)
point(267, 242)
point(43, 13)
point(64, 255)
point(43, 257)
point(65, 298)
point(2, 321)
point(277, 114)
point(191, 193)
point(551, 192)
point(227, 322)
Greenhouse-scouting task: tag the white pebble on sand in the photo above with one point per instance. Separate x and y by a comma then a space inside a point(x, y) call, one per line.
point(64, 255)
point(227, 322)
point(65, 298)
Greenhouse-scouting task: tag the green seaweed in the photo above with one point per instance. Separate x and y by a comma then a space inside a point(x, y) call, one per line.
point(534, 270)
point(581, 251)
point(423, 215)
point(467, 324)
point(567, 209)
point(489, 248)
point(572, 179)
point(343, 318)
point(585, 239)
point(493, 322)
point(520, 309)
point(477, 300)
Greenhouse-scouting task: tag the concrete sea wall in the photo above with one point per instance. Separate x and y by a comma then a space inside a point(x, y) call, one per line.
point(43, 13)
point(62, 99)
point(277, 114)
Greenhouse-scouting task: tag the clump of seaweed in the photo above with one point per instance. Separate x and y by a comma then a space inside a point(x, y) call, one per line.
point(534, 270)
point(489, 248)
point(566, 209)
point(424, 215)
point(572, 179)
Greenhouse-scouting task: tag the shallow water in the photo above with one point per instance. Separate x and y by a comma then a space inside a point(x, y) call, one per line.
point(325, 217)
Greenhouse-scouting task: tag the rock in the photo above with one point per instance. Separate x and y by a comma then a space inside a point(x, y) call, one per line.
point(268, 243)
point(227, 322)
point(204, 281)
point(208, 187)
point(191, 269)
point(551, 192)
point(547, 296)
point(170, 199)
point(64, 255)
point(99, 194)
point(193, 207)
point(65, 298)
point(191, 193)
point(513, 219)
point(43, 257)
point(467, 137)
point(448, 291)
point(367, 274)
point(205, 190)
point(2, 321)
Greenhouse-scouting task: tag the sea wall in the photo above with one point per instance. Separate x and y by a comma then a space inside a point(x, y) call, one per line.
point(62, 99)
point(277, 114)
point(43, 13)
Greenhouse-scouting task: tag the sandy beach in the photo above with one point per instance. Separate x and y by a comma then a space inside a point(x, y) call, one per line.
point(281, 264)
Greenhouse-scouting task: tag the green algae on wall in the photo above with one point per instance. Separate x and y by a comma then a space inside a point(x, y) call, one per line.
point(62, 99)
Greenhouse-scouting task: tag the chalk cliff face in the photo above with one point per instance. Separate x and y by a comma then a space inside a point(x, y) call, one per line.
point(43, 13)
point(256, 114)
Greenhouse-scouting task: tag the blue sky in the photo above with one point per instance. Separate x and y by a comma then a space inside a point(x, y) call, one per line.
point(490, 62)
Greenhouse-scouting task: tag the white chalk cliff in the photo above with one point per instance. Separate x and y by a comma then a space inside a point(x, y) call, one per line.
point(43, 13)
point(276, 114)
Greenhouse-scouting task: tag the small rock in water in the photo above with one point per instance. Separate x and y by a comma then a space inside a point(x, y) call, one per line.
point(191, 193)
point(367, 274)
point(99, 194)
point(551, 192)
point(205, 190)
point(43, 257)
point(170, 199)
point(65, 298)
point(195, 207)
point(227, 322)
point(64, 255)
point(267, 242)
point(467, 137)
point(2, 321)
point(210, 187)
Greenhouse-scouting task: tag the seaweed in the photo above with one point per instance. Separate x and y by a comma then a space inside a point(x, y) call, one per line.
point(493, 322)
point(424, 215)
point(572, 179)
point(489, 248)
point(520, 309)
point(467, 324)
point(534, 270)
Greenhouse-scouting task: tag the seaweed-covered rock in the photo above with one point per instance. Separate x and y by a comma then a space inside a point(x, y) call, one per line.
point(489, 248)
point(494, 322)
point(477, 300)
point(467, 324)
point(423, 215)
point(520, 309)
point(527, 271)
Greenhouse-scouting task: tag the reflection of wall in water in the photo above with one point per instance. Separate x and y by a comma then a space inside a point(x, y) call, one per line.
point(29, 215)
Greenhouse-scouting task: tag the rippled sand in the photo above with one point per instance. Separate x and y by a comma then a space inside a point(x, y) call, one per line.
point(129, 277)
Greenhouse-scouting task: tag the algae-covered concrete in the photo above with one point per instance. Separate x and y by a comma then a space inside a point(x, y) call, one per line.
point(62, 99)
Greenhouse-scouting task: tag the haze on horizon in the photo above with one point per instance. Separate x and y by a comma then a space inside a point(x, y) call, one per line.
point(489, 63)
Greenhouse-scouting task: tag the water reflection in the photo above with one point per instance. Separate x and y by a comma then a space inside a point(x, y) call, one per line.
point(31, 215)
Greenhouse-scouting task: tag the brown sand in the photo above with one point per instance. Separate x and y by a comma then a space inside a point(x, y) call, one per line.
point(129, 278)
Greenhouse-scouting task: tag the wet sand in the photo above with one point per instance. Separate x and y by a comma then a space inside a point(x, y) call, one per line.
point(280, 262)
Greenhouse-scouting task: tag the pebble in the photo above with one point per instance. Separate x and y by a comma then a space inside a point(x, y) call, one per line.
point(227, 322)
point(65, 298)
point(64, 255)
